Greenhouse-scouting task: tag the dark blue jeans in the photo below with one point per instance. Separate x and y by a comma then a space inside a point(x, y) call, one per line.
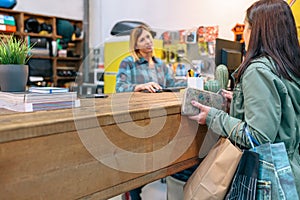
point(135, 194)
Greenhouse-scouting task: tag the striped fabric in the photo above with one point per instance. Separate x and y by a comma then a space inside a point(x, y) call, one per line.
point(244, 183)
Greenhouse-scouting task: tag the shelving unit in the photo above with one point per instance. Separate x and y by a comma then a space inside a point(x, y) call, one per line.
point(64, 69)
point(98, 72)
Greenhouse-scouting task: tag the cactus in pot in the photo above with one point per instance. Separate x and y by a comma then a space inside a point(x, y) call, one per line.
point(222, 76)
point(212, 85)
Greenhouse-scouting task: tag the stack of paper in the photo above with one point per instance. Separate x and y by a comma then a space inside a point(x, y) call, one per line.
point(48, 90)
point(32, 101)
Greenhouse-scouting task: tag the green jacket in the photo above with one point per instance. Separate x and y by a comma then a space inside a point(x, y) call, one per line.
point(270, 106)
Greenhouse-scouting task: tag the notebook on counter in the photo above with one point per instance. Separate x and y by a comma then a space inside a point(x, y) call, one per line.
point(48, 90)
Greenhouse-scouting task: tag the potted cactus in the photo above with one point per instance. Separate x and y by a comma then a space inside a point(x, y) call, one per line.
point(13, 68)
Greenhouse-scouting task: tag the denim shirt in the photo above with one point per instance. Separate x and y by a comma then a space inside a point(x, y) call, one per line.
point(270, 105)
point(132, 73)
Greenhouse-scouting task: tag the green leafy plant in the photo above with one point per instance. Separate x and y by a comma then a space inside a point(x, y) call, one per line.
point(13, 50)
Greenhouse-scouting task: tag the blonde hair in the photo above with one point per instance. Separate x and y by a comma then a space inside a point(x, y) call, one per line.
point(134, 35)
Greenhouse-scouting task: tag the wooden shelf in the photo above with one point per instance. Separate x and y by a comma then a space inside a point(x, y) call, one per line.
point(77, 40)
point(41, 57)
point(66, 77)
point(76, 44)
point(39, 35)
point(64, 68)
point(69, 58)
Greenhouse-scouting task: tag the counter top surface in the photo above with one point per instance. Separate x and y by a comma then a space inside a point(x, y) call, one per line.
point(137, 104)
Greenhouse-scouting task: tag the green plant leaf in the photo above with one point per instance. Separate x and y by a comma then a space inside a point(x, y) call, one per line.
point(14, 50)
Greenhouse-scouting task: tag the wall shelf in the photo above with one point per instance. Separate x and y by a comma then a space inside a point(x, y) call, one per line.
point(75, 46)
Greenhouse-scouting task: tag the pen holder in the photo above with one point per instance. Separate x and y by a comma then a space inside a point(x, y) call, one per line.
point(195, 82)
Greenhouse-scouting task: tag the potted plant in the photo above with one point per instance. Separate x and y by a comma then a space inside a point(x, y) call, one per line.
point(13, 68)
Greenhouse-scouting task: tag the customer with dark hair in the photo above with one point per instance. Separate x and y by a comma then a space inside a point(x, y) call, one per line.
point(266, 96)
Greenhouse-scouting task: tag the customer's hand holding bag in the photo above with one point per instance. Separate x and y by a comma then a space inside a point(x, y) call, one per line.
point(212, 178)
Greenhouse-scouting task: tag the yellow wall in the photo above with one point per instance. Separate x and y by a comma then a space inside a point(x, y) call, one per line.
point(114, 53)
point(296, 12)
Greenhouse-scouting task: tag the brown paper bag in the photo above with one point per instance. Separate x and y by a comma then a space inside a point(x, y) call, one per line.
point(213, 176)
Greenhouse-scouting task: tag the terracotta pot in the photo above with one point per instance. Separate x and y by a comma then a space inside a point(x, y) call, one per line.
point(13, 78)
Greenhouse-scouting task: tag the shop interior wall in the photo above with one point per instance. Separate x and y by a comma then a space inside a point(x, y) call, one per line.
point(169, 14)
point(161, 15)
point(63, 8)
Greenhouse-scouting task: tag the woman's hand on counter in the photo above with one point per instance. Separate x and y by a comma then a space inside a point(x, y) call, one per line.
point(151, 87)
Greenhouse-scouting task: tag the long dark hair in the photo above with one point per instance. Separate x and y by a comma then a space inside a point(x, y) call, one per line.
point(273, 34)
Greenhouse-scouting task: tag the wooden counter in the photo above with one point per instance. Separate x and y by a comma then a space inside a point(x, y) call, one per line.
point(102, 149)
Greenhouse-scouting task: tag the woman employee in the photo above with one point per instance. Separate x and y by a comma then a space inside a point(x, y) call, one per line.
point(142, 70)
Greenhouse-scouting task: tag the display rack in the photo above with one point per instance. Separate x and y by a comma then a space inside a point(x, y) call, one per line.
point(64, 68)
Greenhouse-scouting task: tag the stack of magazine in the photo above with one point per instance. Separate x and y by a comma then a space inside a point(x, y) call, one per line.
point(44, 98)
